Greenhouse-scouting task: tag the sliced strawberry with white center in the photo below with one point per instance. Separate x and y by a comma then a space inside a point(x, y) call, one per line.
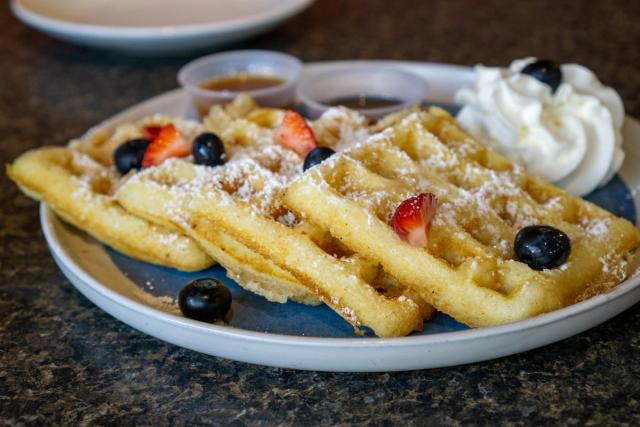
point(295, 134)
point(412, 218)
point(168, 143)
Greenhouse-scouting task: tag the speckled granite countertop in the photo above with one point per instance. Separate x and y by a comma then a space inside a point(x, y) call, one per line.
point(64, 361)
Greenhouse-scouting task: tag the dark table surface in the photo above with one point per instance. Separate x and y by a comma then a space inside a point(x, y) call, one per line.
point(64, 361)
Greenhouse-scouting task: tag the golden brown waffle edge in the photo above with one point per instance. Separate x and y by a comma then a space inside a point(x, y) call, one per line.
point(79, 190)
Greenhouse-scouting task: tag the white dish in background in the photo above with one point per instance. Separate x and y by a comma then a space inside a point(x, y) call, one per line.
point(155, 27)
point(101, 277)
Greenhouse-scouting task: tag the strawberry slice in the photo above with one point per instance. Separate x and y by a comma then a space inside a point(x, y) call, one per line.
point(295, 134)
point(169, 142)
point(151, 131)
point(412, 218)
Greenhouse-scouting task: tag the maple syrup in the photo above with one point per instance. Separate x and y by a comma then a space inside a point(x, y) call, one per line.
point(241, 82)
point(360, 102)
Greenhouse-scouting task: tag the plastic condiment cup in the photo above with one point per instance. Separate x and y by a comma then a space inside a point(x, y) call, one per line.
point(375, 81)
point(252, 62)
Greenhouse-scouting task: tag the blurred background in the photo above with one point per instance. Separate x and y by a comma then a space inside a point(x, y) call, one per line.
point(602, 35)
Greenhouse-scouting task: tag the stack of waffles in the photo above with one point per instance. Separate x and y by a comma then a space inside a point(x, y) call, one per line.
point(324, 235)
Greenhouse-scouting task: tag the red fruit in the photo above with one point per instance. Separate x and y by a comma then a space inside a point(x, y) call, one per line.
point(295, 134)
point(168, 143)
point(151, 131)
point(412, 218)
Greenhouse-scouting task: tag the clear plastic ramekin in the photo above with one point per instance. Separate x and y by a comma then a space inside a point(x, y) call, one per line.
point(317, 90)
point(261, 62)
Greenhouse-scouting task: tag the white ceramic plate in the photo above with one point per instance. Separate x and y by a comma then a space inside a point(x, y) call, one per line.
point(296, 336)
point(152, 27)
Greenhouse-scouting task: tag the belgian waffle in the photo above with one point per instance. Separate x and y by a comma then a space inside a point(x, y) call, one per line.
point(247, 132)
point(468, 269)
point(249, 269)
point(159, 194)
point(241, 200)
point(80, 190)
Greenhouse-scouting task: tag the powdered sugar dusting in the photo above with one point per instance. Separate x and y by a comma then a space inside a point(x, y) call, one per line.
point(598, 227)
point(340, 128)
point(488, 203)
point(93, 178)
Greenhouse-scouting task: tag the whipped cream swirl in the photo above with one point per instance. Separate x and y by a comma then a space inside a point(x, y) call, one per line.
point(571, 137)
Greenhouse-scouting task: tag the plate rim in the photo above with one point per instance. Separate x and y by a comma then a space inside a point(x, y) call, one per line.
point(43, 22)
point(471, 334)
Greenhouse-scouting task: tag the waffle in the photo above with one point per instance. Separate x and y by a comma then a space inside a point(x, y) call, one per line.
point(247, 268)
point(240, 201)
point(468, 269)
point(153, 194)
point(240, 123)
point(242, 126)
point(79, 190)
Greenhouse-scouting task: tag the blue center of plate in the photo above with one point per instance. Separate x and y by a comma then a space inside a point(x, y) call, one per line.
point(252, 312)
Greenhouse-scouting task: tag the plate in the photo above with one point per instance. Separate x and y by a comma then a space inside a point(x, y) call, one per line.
point(296, 336)
point(153, 27)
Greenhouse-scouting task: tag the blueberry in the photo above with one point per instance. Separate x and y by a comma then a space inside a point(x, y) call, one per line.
point(129, 154)
point(542, 246)
point(205, 299)
point(317, 155)
point(208, 149)
point(548, 72)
